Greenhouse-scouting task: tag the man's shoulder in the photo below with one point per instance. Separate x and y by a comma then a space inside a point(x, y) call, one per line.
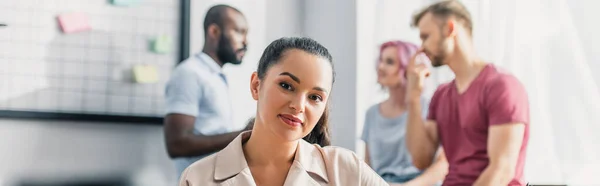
point(190, 65)
point(443, 88)
point(190, 69)
point(497, 73)
point(498, 76)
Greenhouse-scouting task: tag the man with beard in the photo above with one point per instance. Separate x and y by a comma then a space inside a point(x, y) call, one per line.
point(199, 118)
point(481, 118)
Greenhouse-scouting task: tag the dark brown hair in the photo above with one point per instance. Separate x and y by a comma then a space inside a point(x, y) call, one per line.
point(444, 10)
point(272, 55)
point(320, 134)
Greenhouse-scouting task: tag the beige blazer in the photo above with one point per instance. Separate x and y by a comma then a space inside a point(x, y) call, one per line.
point(313, 165)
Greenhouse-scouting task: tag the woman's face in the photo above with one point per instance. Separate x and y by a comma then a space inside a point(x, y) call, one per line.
point(293, 94)
point(388, 68)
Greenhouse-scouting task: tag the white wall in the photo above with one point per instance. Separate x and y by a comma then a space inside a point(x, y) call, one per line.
point(284, 19)
point(333, 24)
point(584, 13)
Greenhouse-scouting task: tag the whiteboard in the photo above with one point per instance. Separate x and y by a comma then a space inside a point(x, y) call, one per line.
point(90, 72)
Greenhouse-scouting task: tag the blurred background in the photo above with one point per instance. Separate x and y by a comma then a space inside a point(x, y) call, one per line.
point(82, 82)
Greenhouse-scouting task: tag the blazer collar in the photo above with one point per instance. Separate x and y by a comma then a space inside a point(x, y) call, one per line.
point(231, 160)
point(311, 158)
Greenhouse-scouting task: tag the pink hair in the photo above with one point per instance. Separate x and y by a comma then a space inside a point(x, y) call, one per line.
point(405, 51)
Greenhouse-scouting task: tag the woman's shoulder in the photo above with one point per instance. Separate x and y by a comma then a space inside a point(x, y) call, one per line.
point(340, 157)
point(345, 165)
point(220, 167)
point(373, 110)
point(208, 161)
point(201, 171)
point(337, 151)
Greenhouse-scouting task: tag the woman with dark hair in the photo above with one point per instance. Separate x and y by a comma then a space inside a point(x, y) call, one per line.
point(286, 146)
point(385, 123)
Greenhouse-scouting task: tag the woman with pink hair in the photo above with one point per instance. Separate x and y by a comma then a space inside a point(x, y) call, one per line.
point(385, 124)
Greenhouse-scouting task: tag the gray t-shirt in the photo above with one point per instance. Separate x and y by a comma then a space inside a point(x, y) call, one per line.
point(385, 138)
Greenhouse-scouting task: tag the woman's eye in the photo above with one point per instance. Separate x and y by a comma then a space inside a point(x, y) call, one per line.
point(285, 86)
point(316, 98)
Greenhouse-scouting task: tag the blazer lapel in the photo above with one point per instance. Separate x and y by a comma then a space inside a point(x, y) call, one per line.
point(244, 178)
point(299, 176)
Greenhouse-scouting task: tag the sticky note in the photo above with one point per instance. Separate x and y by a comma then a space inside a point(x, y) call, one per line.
point(125, 2)
point(145, 74)
point(162, 44)
point(74, 22)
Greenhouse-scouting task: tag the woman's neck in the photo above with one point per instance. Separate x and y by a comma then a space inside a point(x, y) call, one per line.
point(397, 96)
point(264, 149)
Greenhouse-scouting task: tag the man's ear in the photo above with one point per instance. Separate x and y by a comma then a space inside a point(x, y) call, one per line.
point(254, 85)
point(450, 28)
point(214, 31)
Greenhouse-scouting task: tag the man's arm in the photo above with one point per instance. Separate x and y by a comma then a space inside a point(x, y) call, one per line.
point(184, 92)
point(421, 137)
point(434, 174)
point(367, 155)
point(507, 107)
point(182, 142)
point(504, 144)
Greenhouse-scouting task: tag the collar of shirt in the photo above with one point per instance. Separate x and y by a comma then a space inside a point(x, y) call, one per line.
point(231, 160)
point(210, 62)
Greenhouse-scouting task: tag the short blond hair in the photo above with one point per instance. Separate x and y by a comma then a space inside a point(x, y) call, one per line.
point(445, 9)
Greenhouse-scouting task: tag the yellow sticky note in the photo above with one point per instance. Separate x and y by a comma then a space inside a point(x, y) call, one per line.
point(145, 74)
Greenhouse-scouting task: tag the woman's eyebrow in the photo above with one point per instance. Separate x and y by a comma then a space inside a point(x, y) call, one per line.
point(320, 89)
point(296, 79)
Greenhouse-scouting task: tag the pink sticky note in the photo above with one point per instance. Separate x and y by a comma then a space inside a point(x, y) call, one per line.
point(74, 22)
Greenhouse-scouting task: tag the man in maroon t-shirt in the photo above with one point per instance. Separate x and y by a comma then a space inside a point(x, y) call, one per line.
point(481, 118)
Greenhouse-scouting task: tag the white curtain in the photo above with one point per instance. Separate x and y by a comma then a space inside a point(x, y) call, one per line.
point(540, 42)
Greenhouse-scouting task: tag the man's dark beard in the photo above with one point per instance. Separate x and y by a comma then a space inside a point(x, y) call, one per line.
point(225, 51)
point(438, 60)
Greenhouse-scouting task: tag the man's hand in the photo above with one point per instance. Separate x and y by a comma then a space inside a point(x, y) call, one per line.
point(415, 75)
point(421, 135)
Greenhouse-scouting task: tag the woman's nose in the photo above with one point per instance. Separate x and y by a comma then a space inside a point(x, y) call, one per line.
point(380, 66)
point(298, 103)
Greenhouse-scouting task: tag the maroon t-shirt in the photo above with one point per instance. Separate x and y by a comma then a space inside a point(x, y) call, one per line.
point(493, 98)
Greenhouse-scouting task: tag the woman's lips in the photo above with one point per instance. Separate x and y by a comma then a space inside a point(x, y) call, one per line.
point(290, 120)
